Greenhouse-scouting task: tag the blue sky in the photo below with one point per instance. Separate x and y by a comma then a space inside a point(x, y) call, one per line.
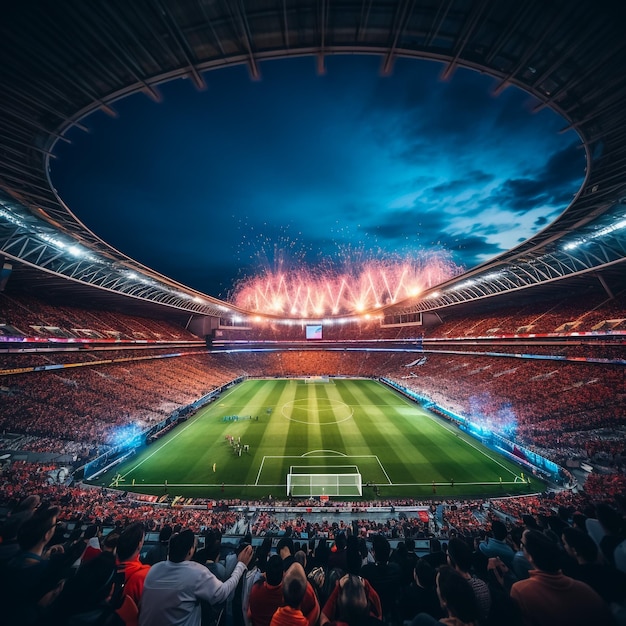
point(210, 187)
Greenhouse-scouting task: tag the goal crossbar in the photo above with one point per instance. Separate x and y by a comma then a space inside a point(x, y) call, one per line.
point(319, 481)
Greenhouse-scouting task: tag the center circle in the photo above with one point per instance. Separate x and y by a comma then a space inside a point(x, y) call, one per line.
point(324, 411)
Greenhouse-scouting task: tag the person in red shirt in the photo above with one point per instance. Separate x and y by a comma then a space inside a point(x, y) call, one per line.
point(129, 547)
point(267, 595)
point(92, 535)
point(548, 597)
point(294, 588)
point(340, 600)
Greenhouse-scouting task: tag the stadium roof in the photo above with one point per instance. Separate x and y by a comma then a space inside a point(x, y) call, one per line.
point(62, 61)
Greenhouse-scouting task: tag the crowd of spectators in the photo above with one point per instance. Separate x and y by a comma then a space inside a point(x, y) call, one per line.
point(522, 548)
point(565, 315)
point(567, 395)
point(437, 517)
point(103, 398)
point(33, 317)
point(576, 412)
point(93, 355)
point(572, 407)
point(581, 403)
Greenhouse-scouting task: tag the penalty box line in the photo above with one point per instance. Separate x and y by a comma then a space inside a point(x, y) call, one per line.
point(350, 456)
point(437, 484)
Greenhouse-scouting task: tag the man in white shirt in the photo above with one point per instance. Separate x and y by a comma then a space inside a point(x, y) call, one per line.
point(173, 589)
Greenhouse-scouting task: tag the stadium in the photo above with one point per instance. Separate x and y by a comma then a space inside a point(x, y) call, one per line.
point(496, 396)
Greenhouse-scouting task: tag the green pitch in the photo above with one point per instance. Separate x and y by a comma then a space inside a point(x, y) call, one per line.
point(244, 444)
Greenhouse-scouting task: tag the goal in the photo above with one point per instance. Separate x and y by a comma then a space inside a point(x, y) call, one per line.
point(309, 380)
point(306, 482)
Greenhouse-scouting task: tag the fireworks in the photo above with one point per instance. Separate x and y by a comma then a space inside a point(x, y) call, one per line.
point(356, 287)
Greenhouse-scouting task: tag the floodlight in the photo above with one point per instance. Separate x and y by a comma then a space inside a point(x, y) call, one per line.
point(12, 218)
point(572, 245)
point(610, 228)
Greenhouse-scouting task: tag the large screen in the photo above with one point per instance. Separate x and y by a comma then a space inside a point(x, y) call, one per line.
point(314, 332)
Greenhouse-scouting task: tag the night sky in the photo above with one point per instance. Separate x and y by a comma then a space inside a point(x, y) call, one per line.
point(210, 187)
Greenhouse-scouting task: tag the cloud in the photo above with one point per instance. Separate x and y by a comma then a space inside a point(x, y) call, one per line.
point(473, 248)
point(396, 226)
point(565, 166)
point(474, 177)
point(310, 164)
point(554, 185)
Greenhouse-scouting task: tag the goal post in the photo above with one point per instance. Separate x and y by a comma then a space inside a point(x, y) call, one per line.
point(306, 482)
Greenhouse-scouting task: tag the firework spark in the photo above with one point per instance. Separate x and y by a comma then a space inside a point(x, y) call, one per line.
point(357, 286)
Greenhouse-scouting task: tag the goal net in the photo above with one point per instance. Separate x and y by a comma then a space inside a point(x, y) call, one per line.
point(316, 379)
point(306, 482)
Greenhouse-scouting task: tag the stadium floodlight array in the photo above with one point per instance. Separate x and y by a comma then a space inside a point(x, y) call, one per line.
point(306, 482)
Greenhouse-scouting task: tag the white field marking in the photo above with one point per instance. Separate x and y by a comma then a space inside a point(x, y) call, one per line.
point(318, 411)
point(444, 484)
point(305, 467)
point(447, 484)
point(256, 482)
point(165, 443)
point(382, 468)
point(351, 456)
point(201, 485)
point(469, 443)
point(315, 453)
point(329, 407)
point(299, 456)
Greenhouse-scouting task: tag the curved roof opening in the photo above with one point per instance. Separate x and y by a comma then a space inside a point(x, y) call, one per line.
point(312, 194)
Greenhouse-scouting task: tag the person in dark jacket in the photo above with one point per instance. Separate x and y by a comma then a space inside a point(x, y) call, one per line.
point(385, 577)
point(158, 553)
point(421, 595)
point(91, 597)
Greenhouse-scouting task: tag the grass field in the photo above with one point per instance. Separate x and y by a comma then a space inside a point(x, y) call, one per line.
point(397, 446)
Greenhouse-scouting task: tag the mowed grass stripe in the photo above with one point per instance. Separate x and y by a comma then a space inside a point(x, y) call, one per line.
point(420, 453)
point(413, 446)
point(477, 463)
point(253, 397)
point(419, 449)
point(354, 442)
point(332, 438)
point(296, 429)
point(315, 429)
point(380, 425)
point(251, 401)
point(375, 412)
point(445, 457)
point(265, 393)
point(370, 469)
point(277, 437)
